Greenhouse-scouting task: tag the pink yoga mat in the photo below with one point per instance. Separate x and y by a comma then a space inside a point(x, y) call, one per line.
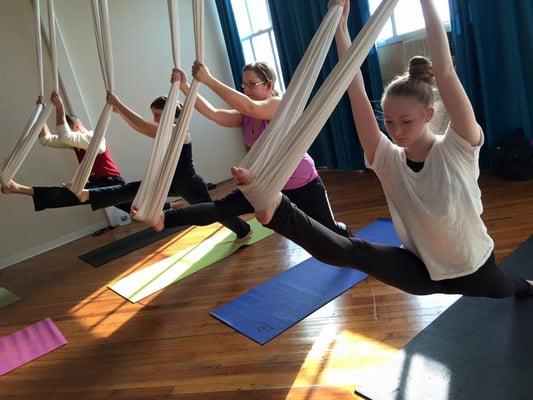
point(28, 344)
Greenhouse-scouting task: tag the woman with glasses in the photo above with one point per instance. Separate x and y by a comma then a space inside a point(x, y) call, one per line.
point(252, 111)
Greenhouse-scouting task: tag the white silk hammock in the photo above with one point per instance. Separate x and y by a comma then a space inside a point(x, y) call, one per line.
point(280, 148)
point(40, 113)
point(169, 139)
point(105, 54)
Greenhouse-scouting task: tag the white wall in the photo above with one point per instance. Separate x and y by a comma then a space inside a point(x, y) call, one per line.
point(142, 59)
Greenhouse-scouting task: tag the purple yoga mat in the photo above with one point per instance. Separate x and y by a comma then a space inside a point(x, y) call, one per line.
point(28, 344)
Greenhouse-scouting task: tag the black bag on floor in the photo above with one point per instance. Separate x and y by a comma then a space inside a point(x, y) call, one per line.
point(513, 157)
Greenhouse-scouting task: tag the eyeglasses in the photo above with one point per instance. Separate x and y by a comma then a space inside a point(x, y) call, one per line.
point(252, 84)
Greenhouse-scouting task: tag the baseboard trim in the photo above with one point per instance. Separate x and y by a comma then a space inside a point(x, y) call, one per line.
point(57, 242)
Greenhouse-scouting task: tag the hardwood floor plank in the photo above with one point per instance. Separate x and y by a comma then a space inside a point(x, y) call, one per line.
point(168, 347)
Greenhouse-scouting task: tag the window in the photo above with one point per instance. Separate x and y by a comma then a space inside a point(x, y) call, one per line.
point(257, 36)
point(407, 20)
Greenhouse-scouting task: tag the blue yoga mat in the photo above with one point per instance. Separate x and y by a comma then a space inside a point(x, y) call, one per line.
point(277, 304)
point(380, 231)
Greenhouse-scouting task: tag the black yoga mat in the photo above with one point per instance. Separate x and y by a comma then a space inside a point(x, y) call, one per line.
point(477, 349)
point(126, 245)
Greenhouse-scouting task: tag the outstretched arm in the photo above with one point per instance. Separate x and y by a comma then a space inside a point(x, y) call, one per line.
point(79, 139)
point(227, 118)
point(46, 138)
point(133, 119)
point(454, 97)
point(66, 139)
point(363, 113)
point(258, 109)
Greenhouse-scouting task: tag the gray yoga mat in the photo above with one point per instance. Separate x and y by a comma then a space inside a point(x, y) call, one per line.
point(477, 349)
point(126, 245)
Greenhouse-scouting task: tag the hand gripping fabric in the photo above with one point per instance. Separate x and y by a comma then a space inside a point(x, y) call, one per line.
point(103, 43)
point(40, 113)
point(280, 148)
point(169, 138)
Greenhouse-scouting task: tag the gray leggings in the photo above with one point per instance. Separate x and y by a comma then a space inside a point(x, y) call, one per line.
point(394, 266)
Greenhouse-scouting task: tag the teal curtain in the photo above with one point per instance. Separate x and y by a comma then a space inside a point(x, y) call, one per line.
point(294, 23)
point(232, 39)
point(493, 44)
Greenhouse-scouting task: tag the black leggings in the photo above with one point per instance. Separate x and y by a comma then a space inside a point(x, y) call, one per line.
point(394, 266)
point(312, 198)
point(188, 185)
point(56, 197)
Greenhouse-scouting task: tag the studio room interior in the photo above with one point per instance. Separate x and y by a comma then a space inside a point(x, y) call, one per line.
point(266, 199)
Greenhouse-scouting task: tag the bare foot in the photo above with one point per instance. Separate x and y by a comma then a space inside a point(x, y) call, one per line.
point(14, 187)
point(243, 177)
point(265, 216)
point(159, 225)
point(5, 189)
point(84, 196)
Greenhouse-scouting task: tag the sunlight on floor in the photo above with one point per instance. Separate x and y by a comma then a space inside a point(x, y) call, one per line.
point(183, 240)
point(416, 366)
point(190, 245)
point(157, 276)
point(406, 377)
point(340, 358)
point(337, 357)
point(436, 300)
point(105, 325)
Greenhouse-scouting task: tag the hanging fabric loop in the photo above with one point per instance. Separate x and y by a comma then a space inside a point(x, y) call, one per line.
point(169, 139)
point(280, 148)
point(103, 43)
point(53, 43)
point(40, 113)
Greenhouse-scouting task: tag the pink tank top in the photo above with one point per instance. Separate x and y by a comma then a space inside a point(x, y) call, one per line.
point(304, 173)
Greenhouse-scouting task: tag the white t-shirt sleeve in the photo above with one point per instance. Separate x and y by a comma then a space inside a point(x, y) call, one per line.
point(53, 141)
point(80, 140)
point(460, 147)
point(384, 151)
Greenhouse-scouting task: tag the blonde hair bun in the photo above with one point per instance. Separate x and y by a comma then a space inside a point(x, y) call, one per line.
point(421, 68)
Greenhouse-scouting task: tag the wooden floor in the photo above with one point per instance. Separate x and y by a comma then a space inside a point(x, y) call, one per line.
point(168, 347)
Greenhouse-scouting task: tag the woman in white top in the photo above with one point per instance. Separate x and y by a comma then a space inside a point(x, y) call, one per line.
point(430, 182)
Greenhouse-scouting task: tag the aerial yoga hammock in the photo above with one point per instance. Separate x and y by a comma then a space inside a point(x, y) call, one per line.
point(103, 43)
point(169, 140)
point(289, 135)
point(268, 154)
point(40, 113)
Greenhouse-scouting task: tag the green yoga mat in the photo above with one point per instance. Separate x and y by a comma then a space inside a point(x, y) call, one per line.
point(149, 280)
point(6, 297)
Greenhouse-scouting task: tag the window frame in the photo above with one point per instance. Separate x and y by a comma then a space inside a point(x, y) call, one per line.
point(405, 37)
point(271, 38)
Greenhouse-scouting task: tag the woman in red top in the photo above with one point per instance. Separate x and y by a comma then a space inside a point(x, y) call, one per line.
point(71, 134)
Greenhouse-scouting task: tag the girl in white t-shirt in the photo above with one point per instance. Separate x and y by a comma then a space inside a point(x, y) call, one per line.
point(430, 183)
